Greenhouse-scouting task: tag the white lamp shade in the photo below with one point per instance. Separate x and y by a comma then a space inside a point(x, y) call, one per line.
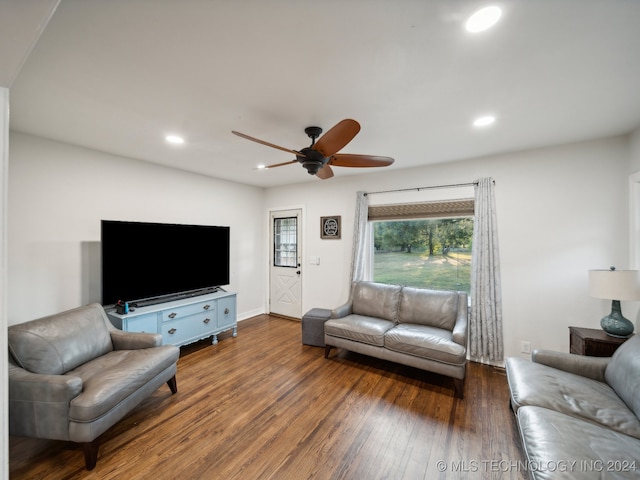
point(615, 284)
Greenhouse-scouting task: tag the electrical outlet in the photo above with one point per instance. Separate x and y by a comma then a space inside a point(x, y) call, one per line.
point(525, 347)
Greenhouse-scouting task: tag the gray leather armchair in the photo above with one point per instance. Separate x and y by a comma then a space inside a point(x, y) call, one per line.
point(73, 375)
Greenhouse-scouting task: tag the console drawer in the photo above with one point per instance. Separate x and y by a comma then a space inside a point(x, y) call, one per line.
point(191, 327)
point(188, 310)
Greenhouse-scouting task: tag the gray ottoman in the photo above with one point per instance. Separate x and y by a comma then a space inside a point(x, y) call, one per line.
point(313, 326)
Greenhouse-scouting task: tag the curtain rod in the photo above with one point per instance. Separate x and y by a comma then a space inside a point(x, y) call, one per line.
point(425, 188)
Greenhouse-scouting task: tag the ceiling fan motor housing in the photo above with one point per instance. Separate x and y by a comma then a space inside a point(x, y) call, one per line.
point(312, 160)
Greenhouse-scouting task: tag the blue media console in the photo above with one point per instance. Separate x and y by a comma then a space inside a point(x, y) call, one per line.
point(183, 321)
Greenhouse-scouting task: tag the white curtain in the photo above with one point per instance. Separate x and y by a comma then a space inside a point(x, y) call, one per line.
point(360, 259)
point(485, 328)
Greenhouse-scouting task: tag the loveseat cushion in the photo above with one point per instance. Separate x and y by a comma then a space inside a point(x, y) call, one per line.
point(590, 400)
point(376, 300)
point(55, 344)
point(426, 342)
point(561, 446)
point(434, 308)
point(359, 328)
point(623, 373)
point(113, 377)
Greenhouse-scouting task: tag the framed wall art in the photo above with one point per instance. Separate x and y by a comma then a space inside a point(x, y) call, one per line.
point(330, 227)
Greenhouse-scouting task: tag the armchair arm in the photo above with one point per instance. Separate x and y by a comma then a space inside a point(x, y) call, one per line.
point(460, 329)
point(590, 367)
point(134, 340)
point(39, 404)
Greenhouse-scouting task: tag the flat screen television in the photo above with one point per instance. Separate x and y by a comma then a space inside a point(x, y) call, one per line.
point(146, 263)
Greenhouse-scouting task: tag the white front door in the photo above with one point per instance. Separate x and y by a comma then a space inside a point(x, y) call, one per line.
point(285, 278)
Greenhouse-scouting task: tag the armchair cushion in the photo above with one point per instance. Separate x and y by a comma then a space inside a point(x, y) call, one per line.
point(113, 377)
point(58, 343)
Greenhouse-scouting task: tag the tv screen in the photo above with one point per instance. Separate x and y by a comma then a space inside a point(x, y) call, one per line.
point(144, 261)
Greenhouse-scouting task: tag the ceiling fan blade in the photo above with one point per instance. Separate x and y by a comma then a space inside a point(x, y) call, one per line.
point(281, 164)
point(267, 143)
point(325, 172)
point(359, 161)
point(337, 137)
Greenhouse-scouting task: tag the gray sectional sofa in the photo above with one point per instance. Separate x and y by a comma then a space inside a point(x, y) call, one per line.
point(578, 416)
point(426, 329)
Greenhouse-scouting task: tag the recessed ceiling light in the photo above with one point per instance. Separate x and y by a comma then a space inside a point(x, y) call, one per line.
point(483, 19)
point(175, 139)
point(484, 121)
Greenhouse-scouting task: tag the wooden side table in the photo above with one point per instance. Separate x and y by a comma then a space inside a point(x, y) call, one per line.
point(593, 342)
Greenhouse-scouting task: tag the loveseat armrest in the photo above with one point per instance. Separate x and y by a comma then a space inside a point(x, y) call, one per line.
point(585, 366)
point(342, 311)
point(460, 328)
point(39, 403)
point(134, 340)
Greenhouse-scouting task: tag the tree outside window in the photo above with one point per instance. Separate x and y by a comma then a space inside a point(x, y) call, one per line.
point(425, 253)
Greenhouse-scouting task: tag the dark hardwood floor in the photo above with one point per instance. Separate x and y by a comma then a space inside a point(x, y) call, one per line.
point(264, 406)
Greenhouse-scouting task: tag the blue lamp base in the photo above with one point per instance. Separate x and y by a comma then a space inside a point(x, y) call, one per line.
point(615, 324)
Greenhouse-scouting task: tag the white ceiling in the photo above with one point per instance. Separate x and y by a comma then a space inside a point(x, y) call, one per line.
point(118, 75)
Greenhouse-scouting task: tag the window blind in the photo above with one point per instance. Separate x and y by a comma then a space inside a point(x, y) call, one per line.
point(436, 209)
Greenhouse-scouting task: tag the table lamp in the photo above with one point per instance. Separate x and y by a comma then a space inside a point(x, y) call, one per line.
point(615, 285)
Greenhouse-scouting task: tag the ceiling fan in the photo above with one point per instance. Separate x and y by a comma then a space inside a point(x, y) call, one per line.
point(321, 155)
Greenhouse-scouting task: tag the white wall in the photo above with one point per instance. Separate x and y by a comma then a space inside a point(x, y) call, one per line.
point(4, 367)
point(58, 194)
point(561, 211)
point(634, 151)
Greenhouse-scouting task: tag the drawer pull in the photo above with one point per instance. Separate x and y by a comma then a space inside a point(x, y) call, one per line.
point(226, 311)
point(207, 307)
point(173, 315)
point(206, 320)
point(172, 331)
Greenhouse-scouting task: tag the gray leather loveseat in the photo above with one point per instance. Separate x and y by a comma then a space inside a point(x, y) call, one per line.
point(73, 375)
point(579, 416)
point(421, 328)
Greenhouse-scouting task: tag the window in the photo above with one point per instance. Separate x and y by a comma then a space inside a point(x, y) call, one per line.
point(285, 242)
point(425, 245)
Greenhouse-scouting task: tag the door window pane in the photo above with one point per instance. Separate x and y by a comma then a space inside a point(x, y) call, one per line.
point(285, 239)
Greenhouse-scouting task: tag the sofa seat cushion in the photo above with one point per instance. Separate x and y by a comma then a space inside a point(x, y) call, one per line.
point(561, 446)
point(539, 385)
point(426, 342)
point(359, 328)
point(113, 377)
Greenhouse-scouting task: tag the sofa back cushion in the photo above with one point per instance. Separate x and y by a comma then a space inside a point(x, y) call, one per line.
point(433, 308)
point(376, 300)
point(58, 343)
point(623, 373)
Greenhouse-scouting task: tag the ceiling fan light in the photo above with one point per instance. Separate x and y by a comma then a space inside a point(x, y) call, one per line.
point(483, 19)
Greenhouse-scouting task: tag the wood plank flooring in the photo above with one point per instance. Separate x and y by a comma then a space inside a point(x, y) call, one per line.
point(264, 406)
